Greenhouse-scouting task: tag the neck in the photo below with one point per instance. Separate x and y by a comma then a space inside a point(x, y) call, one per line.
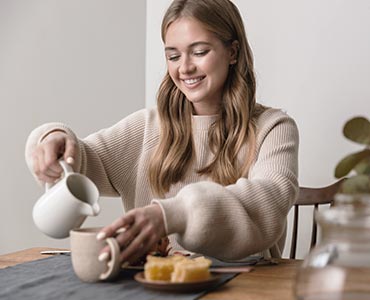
point(201, 109)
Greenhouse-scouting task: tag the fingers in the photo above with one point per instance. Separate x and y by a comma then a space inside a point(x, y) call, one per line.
point(70, 151)
point(123, 240)
point(117, 226)
point(50, 161)
point(139, 246)
point(45, 168)
point(133, 243)
point(46, 155)
point(143, 227)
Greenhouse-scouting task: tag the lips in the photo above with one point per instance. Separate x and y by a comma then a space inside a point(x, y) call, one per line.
point(193, 81)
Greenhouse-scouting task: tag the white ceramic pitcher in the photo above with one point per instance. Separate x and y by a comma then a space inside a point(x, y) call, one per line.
point(66, 204)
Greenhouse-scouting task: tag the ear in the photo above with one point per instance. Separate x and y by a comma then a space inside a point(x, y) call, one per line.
point(234, 51)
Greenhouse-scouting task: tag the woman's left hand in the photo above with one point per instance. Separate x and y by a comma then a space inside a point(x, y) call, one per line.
point(140, 229)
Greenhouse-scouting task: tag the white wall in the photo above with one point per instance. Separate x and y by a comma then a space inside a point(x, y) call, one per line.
point(312, 60)
point(81, 62)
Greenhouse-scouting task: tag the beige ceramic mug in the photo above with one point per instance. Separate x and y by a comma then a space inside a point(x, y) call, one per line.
point(85, 249)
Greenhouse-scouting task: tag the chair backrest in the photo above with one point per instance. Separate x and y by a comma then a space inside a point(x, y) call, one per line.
point(313, 197)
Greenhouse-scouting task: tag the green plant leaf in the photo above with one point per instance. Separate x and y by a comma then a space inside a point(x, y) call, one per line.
point(358, 130)
point(363, 167)
point(356, 185)
point(348, 163)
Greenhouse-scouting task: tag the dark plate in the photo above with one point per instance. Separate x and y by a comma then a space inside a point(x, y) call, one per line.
point(184, 287)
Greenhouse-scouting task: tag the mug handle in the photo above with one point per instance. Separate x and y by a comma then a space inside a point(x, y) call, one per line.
point(67, 169)
point(114, 265)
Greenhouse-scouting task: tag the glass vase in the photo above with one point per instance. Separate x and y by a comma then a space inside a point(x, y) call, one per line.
point(338, 268)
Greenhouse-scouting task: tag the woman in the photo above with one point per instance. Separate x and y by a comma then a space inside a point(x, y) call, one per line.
point(209, 167)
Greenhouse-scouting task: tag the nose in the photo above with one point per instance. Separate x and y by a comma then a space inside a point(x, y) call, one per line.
point(186, 65)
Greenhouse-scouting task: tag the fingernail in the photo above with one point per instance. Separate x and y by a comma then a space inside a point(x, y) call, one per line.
point(101, 236)
point(125, 264)
point(70, 160)
point(121, 230)
point(103, 257)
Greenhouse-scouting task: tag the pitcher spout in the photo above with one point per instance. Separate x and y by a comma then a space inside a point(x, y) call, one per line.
point(90, 210)
point(96, 209)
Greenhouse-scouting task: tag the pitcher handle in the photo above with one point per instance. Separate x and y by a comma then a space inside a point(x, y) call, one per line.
point(67, 169)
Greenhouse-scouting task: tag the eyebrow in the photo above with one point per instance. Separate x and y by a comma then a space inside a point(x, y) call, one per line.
point(192, 45)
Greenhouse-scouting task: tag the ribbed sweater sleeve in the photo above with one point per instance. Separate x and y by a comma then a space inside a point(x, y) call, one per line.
point(228, 222)
point(37, 135)
point(109, 157)
point(232, 222)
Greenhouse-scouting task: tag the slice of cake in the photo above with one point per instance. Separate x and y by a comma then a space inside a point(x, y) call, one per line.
point(176, 268)
point(160, 268)
point(191, 270)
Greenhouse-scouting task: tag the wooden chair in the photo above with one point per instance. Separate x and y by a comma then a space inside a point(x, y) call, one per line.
point(313, 197)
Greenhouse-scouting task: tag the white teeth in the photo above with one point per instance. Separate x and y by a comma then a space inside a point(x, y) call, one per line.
point(193, 80)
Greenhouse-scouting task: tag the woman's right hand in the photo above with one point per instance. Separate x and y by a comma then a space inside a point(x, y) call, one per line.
point(45, 157)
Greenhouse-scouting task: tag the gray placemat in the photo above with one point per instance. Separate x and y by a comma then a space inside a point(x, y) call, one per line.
point(53, 278)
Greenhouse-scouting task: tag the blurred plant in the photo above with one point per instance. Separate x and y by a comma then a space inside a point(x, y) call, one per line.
point(356, 130)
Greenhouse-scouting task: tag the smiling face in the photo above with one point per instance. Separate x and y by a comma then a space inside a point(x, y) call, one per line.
point(198, 63)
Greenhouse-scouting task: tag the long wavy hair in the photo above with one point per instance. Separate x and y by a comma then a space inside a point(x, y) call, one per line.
point(235, 126)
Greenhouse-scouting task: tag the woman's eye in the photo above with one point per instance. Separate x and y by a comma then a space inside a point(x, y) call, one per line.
point(200, 52)
point(173, 57)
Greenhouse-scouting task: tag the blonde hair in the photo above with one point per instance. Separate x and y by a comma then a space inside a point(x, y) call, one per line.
point(235, 126)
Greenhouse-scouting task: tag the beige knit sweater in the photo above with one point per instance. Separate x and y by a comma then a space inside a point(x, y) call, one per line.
point(227, 222)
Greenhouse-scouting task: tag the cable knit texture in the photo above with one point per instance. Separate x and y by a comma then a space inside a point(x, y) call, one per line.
point(227, 222)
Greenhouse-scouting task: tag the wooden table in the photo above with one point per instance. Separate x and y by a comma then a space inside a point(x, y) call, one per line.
point(265, 282)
